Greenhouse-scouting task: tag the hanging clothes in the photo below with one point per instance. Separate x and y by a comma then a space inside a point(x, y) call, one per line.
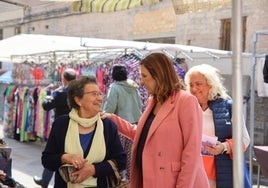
point(265, 70)
point(9, 111)
point(261, 86)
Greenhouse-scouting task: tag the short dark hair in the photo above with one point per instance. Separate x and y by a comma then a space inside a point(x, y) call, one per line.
point(69, 74)
point(76, 89)
point(119, 73)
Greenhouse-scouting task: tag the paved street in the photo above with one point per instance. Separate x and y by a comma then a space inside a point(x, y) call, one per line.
point(26, 162)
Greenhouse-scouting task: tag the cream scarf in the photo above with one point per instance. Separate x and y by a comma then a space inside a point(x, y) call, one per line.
point(72, 143)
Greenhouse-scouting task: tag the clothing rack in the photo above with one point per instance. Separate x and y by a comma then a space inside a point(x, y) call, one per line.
point(90, 67)
point(252, 96)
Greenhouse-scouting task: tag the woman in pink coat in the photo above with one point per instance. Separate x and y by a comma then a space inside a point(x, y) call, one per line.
point(166, 149)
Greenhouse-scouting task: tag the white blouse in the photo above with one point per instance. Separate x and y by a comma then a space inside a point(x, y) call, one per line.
point(209, 128)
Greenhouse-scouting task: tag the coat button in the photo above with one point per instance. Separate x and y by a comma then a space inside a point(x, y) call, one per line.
point(162, 168)
point(160, 154)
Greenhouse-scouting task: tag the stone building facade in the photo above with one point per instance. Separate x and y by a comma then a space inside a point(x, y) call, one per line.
point(168, 21)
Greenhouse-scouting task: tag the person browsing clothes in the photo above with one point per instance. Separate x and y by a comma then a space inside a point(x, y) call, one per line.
point(205, 83)
point(167, 140)
point(83, 139)
point(123, 97)
point(58, 102)
point(124, 100)
point(58, 99)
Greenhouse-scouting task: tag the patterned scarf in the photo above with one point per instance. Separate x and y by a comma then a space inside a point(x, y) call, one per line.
point(72, 143)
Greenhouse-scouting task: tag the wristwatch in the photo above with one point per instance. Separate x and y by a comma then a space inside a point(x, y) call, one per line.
point(225, 148)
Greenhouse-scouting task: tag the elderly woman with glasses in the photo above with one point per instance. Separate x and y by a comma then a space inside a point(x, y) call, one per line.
point(82, 139)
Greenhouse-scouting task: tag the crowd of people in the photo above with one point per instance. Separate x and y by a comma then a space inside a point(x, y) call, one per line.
point(161, 146)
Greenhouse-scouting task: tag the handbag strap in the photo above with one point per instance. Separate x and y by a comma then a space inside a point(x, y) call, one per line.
point(116, 173)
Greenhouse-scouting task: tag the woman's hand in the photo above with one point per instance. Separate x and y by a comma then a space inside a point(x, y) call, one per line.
point(84, 173)
point(76, 160)
point(215, 150)
point(104, 115)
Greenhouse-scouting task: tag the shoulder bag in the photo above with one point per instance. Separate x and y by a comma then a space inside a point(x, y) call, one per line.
point(115, 181)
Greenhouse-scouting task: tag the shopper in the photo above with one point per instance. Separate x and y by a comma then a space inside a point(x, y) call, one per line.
point(167, 140)
point(83, 140)
point(124, 100)
point(58, 102)
point(205, 83)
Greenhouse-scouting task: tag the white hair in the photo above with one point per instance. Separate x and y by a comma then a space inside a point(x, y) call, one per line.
point(214, 80)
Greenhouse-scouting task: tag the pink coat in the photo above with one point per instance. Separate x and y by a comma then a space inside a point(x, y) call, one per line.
point(172, 155)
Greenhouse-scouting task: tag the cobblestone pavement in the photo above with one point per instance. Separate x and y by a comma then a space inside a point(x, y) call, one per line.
point(26, 162)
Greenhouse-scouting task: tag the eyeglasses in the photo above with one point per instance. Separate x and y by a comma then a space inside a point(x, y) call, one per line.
point(94, 93)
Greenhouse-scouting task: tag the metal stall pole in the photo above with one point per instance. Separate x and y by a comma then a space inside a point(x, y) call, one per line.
point(238, 173)
point(252, 105)
point(252, 99)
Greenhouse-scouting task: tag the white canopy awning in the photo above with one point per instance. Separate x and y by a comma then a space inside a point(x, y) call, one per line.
point(26, 44)
point(31, 44)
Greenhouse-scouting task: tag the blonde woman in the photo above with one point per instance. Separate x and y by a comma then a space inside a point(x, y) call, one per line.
point(205, 83)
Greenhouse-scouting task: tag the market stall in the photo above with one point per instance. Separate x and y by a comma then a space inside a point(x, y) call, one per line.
point(39, 59)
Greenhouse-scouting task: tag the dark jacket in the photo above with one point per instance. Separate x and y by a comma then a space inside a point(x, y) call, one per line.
point(222, 115)
point(51, 156)
point(265, 70)
point(223, 130)
point(57, 102)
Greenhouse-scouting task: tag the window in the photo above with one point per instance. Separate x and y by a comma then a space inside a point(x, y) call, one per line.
point(225, 37)
point(17, 30)
point(1, 34)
